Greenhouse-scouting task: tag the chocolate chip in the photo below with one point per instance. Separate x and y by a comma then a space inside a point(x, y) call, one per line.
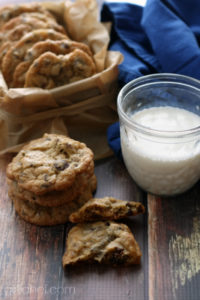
point(130, 209)
point(118, 257)
point(46, 177)
point(60, 166)
point(65, 45)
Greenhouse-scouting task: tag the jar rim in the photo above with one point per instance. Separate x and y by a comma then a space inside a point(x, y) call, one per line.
point(149, 80)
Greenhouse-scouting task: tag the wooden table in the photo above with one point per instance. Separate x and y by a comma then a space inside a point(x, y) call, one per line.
point(168, 234)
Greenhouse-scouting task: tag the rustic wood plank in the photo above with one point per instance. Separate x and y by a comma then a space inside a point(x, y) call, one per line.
point(100, 282)
point(174, 246)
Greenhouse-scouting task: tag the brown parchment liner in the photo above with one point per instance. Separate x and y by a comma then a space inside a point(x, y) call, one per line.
point(84, 109)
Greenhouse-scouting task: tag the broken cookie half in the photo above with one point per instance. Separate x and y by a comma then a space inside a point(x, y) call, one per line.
point(107, 208)
point(103, 242)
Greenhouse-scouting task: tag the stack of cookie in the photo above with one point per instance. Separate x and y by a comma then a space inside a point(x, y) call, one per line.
point(50, 178)
point(35, 51)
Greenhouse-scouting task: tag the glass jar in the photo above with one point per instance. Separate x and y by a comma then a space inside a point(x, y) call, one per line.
point(162, 157)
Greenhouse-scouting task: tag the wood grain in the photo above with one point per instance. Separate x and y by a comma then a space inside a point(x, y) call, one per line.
point(174, 246)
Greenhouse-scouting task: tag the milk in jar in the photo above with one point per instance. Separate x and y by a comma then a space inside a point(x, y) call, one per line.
point(165, 164)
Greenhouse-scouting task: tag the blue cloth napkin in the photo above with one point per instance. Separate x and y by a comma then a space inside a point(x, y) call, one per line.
point(164, 36)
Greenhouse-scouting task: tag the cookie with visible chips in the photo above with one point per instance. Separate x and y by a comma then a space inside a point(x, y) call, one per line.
point(49, 163)
point(107, 208)
point(14, 34)
point(11, 11)
point(16, 54)
point(9, 38)
point(56, 198)
point(50, 71)
point(35, 20)
point(103, 242)
point(49, 216)
point(57, 47)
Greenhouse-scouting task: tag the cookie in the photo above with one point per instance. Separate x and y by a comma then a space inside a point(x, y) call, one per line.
point(102, 242)
point(55, 198)
point(4, 48)
point(58, 47)
point(49, 163)
point(35, 20)
point(26, 19)
point(50, 71)
point(8, 37)
point(21, 26)
point(49, 216)
point(107, 208)
point(14, 34)
point(16, 54)
point(11, 11)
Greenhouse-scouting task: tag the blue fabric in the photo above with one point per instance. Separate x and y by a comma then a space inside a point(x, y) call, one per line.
point(128, 37)
point(164, 36)
point(174, 42)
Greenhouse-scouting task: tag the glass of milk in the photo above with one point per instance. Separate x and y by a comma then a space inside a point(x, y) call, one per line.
point(160, 132)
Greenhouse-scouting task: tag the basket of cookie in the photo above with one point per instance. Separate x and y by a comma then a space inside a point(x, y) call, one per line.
point(57, 75)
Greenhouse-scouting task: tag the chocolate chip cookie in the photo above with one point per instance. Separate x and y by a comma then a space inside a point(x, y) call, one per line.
point(16, 54)
point(107, 208)
point(102, 242)
point(55, 198)
point(36, 20)
point(11, 11)
point(57, 47)
point(50, 71)
point(49, 163)
point(49, 216)
point(8, 38)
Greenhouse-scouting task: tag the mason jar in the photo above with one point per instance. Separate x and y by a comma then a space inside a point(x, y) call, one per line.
point(160, 132)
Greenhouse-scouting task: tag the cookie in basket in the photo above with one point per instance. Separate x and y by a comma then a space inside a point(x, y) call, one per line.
point(16, 54)
point(58, 47)
point(36, 20)
point(15, 34)
point(11, 11)
point(49, 216)
point(107, 208)
point(103, 242)
point(49, 163)
point(9, 38)
point(50, 71)
point(56, 198)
